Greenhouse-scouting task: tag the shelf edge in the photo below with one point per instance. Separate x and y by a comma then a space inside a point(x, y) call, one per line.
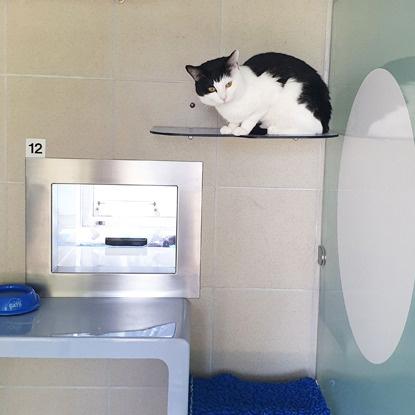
point(214, 132)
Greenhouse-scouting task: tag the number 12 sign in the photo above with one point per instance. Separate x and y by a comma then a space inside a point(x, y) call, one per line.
point(35, 147)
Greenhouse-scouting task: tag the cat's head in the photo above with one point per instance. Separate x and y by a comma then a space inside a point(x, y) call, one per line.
point(217, 80)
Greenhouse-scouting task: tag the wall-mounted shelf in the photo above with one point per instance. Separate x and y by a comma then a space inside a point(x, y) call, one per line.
point(214, 132)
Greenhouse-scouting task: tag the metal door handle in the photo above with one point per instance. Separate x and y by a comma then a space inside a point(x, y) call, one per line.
point(321, 255)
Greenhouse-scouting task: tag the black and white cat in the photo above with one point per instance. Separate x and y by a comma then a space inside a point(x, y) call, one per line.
point(279, 92)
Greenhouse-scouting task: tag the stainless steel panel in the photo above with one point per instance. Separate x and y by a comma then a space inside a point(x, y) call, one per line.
point(41, 173)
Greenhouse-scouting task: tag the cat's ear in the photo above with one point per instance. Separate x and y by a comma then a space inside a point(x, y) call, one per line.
point(233, 60)
point(194, 71)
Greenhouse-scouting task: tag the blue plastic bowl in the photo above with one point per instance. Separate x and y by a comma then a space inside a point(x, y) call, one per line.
point(17, 299)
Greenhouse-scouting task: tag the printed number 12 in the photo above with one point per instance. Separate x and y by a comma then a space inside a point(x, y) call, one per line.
point(35, 147)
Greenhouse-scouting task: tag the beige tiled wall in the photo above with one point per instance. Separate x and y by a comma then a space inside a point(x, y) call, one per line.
point(75, 386)
point(92, 77)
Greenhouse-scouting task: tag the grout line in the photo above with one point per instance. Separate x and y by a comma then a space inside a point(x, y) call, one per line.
point(212, 301)
point(319, 206)
point(297, 290)
point(23, 75)
point(4, 22)
point(4, 115)
point(5, 390)
point(316, 272)
point(11, 182)
point(327, 44)
point(95, 78)
point(53, 386)
point(212, 309)
point(113, 87)
point(79, 387)
point(290, 189)
point(113, 129)
point(114, 5)
point(221, 9)
point(136, 387)
point(215, 214)
point(108, 365)
point(4, 157)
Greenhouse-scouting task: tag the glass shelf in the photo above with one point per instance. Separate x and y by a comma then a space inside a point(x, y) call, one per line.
point(214, 132)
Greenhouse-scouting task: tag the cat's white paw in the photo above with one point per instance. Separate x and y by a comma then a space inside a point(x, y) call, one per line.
point(226, 130)
point(239, 131)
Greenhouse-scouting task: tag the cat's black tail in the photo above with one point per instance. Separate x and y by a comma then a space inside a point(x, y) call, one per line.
point(316, 96)
point(323, 110)
point(325, 113)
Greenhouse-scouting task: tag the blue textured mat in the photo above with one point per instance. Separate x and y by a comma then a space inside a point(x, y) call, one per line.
point(228, 395)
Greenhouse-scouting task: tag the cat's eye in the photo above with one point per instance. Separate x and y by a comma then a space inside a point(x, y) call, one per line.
point(212, 89)
point(229, 84)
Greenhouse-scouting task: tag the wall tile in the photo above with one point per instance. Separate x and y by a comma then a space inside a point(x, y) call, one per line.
point(208, 236)
point(155, 40)
point(145, 401)
point(2, 374)
point(297, 28)
point(60, 37)
point(269, 163)
point(2, 44)
point(73, 115)
point(141, 105)
point(15, 234)
point(200, 333)
point(262, 334)
point(57, 372)
point(138, 373)
point(2, 401)
point(2, 124)
point(314, 327)
point(62, 401)
point(3, 233)
point(265, 238)
point(3, 210)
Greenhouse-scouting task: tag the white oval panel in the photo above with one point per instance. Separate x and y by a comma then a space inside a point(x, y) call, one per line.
point(376, 216)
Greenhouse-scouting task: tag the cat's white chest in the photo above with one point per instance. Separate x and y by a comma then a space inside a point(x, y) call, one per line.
point(256, 96)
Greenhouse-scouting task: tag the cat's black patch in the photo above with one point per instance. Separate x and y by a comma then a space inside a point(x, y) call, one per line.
point(258, 130)
point(315, 93)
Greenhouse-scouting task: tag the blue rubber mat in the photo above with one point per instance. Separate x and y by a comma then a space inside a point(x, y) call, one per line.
point(228, 395)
